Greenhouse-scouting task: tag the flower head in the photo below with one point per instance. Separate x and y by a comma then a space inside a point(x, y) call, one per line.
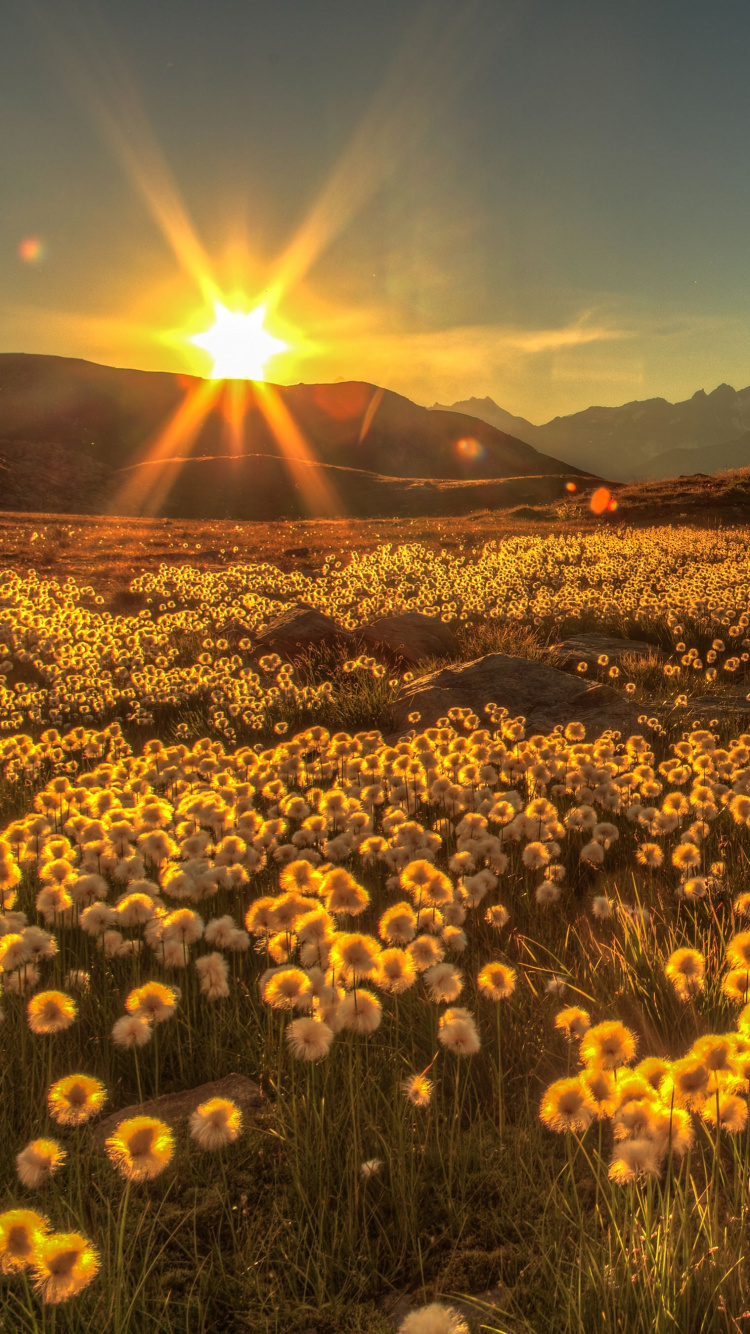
point(63, 1264)
point(433, 1319)
point(686, 970)
point(141, 1147)
point(74, 1099)
point(216, 1123)
point(608, 1045)
point(497, 981)
point(21, 1231)
point(418, 1089)
point(51, 1012)
point(132, 1030)
point(457, 1032)
point(309, 1038)
point(36, 1163)
point(634, 1158)
point(154, 1002)
point(360, 1011)
point(573, 1023)
point(567, 1105)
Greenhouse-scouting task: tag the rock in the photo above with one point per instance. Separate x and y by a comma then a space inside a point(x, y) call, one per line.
point(544, 695)
point(171, 1107)
point(411, 637)
point(704, 707)
point(588, 648)
point(299, 628)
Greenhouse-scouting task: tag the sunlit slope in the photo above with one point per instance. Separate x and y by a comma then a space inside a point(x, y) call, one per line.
point(74, 434)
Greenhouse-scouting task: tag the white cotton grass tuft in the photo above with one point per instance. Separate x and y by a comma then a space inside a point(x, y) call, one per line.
point(310, 1039)
point(213, 972)
point(457, 1032)
point(434, 1319)
point(132, 1030)
point(360, 1011)
point(216, 1123)
point(371, 1168)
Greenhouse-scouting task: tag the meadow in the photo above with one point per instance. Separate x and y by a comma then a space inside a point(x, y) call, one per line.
point(492, 986)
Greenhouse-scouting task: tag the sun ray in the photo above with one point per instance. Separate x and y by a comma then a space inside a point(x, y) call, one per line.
point(318, 492)
point(96, 75)
point(147, 482)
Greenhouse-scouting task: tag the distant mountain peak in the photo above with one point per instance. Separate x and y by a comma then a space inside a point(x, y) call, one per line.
point(627, 442)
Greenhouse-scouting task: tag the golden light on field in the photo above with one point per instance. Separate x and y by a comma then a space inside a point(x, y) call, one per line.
point(240, 344)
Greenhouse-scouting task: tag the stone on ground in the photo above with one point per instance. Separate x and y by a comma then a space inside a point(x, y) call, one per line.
point(299, 628)
point(171, 1107)
point(410, 638)
point(544, 695)
point(589, 648)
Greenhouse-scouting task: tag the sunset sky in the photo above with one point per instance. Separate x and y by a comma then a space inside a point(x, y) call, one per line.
point(546, 201)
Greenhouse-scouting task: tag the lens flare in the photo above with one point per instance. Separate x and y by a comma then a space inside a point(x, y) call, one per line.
point(600, 500)
point(470, 449)
point(31, 250)
point(570, 486)
point(240, 345)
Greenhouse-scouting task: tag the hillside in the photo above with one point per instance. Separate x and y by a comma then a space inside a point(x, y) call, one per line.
point(75, 436)
point(644, 438)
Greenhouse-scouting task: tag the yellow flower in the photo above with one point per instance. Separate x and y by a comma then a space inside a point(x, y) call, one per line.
point(567, 1105)
point(738, 950)
point(63, 1264)
point(154, 1002)
point(608, 1045)
point(418, 1089)
point(686, 970)
point(21, 1230)
point(601, 1086)
point(309, 1038)
point(51, 1012)
point(731, 1112)
point(457, 1032)
point(686, 1084)
point(288, 989)
point(396, 971)
point(736, 985)
point(141, 1147)
point(653, 1069)
point(573, 1023)
point(74, 1099)
point(497, 981)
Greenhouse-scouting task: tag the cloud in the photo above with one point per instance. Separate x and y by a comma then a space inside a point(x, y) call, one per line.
point(458, 361)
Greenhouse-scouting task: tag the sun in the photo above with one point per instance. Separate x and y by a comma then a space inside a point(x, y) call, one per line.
point(239, 344)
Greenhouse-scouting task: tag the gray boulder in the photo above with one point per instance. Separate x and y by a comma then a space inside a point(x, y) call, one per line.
point(544, 695)
point(299, 628)
point(589, 648)
point(171, 1107)
point(410, 638)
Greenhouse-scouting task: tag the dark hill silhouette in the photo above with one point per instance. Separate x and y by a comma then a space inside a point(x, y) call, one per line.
point(93, 438)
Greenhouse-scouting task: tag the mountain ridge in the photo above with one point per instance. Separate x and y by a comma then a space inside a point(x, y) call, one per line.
point(70, 431)
point(626, 442)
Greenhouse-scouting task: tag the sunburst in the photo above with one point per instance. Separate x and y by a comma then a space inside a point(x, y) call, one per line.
point(240, 344)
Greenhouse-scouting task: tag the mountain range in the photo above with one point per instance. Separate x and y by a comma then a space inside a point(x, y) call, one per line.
point(76, 437)
point(645, 438)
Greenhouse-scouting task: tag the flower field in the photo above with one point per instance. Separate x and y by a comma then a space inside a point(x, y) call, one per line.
point(493, 987)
